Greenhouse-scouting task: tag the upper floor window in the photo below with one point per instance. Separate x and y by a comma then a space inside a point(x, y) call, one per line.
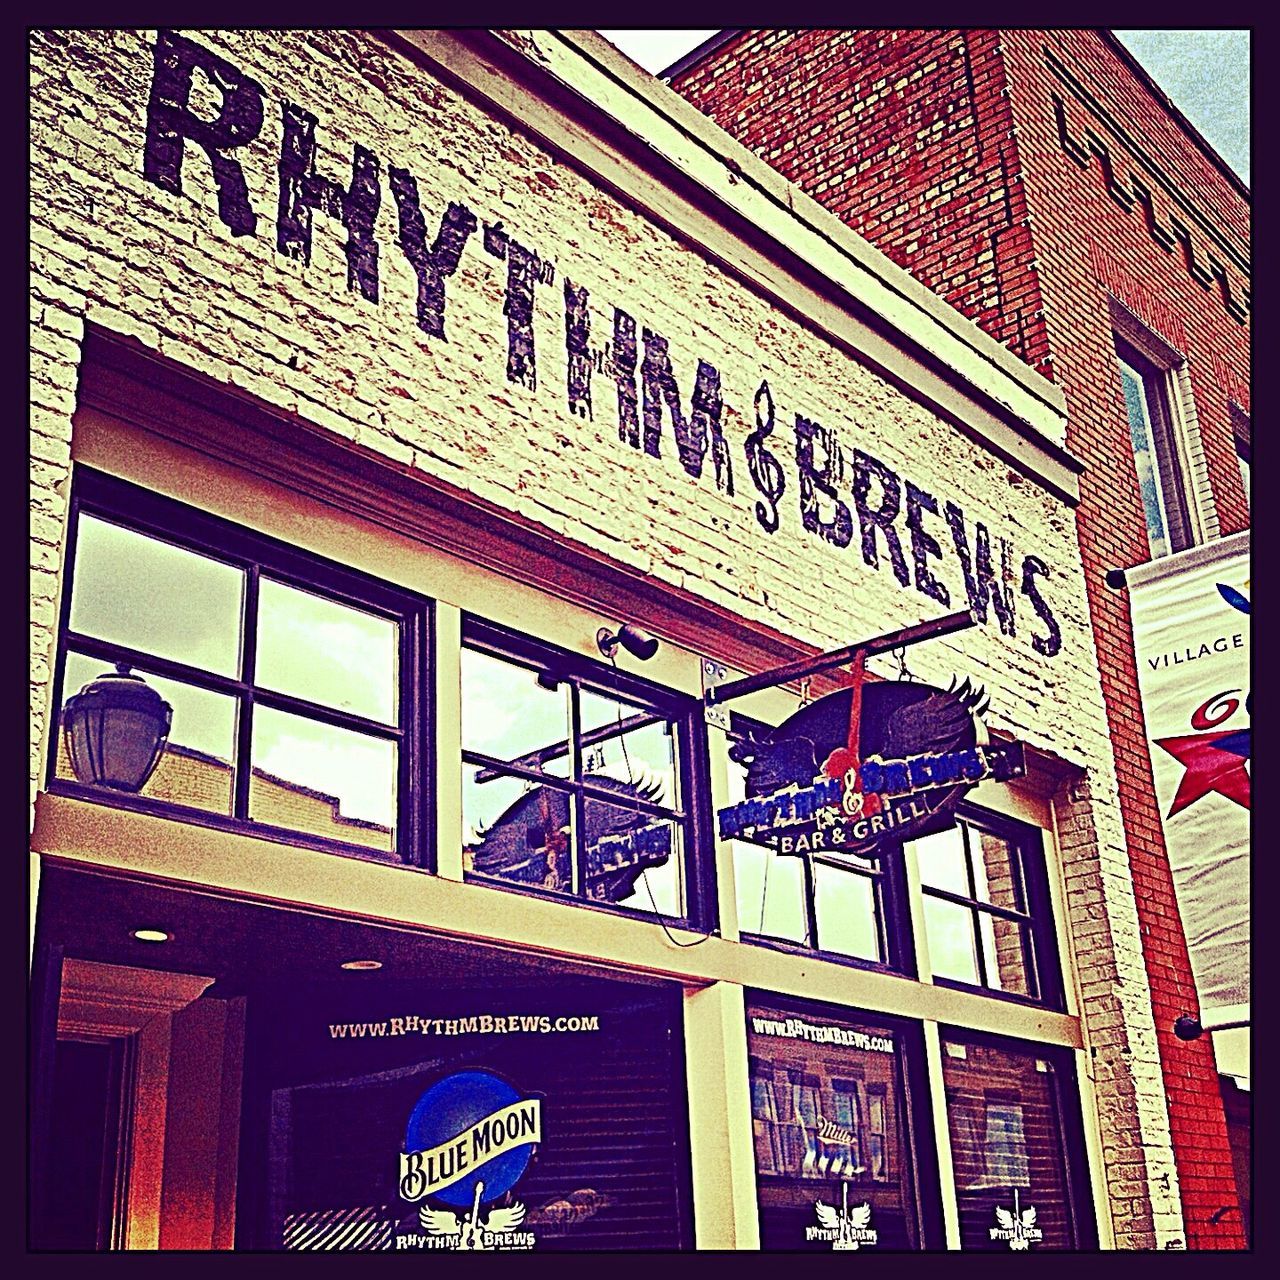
point(1149, 403)
point(838, 904)
point(577, 779)
point(987, 915)
point(987, 919)
point(208, 669)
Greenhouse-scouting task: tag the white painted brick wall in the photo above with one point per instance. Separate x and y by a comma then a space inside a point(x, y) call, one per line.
point(110, 247)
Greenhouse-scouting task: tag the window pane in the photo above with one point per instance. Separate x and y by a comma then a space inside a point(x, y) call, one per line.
point(196, 767)
point(766, 1117)
point(846, 909)
point(770, 893)
point(949, 929)
point(827, 1120)
point(331, 782)
point(1145, 460)
point(631, 858)
point(326, 652)
point(149, 595)
point(769, 888)
point(941, 859)
point(508, 714)
point(996, 873)
point(485, 798)
point(517, 830)
point(644, 753)
point(1007, 1141)
point(1004, 953)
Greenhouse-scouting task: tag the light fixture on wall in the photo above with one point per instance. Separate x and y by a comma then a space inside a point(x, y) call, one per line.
point(639, 644)
point(152, 935)
point(117, 727)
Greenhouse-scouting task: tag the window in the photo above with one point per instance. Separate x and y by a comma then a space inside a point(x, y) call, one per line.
point(611, 1169)
point(1149, 405)
point(986, 915)
point(1244, 446)
point(1016, 1146)
point(840, 905)
point(287, 680)
point(577, 779)
point(833, 1125)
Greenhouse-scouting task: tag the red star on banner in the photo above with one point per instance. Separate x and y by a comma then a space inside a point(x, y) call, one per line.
point(1213, 762)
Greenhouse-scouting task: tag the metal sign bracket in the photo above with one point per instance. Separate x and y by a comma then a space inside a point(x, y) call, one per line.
point(716, 690)
point(714, 674)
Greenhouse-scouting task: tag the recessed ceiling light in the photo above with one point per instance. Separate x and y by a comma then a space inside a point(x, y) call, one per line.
point(152, 935)
point(362, 965)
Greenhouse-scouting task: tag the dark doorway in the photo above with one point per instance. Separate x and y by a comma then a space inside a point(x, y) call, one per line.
point(79, 1208)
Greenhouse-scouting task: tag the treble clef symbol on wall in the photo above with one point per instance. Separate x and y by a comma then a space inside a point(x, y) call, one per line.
point(766, 470)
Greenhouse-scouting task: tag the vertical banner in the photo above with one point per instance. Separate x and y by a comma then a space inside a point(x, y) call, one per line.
point(1191, 638)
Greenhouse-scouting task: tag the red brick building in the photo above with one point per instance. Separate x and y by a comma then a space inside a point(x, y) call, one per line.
point(1044, 185)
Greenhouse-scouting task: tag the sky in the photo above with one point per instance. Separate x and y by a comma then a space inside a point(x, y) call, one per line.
point(1205, 73)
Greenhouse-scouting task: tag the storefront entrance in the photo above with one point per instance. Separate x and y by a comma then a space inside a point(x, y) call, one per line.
point(302, 1082)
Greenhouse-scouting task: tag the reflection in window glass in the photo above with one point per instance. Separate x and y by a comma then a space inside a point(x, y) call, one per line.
point(607, 824)
point(828, 1125)
point(995, 877)
point(941, 858)
point(1005, 1145)
point(833, 906)
point(1006, 955)
point(877, 1147)
point(631, 858)
point(509, 713)
point(1144, 458)
point(981, 935)
point(517, 830)
point(769, 888)
point(314, 777)
point(196, 766)
point(845, 903)
point(1243, 436)
point(326, 652)
point(1006, 1121)
point(645, 751)
point(485, 799)
point(949, 928)
point(770, 893)
point(764, 1118)
point(254, 669)
point(137, 591)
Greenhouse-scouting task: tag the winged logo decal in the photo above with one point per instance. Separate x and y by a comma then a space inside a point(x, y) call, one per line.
point(1017, 1226)
point(472, 1231)
point(843, 1227)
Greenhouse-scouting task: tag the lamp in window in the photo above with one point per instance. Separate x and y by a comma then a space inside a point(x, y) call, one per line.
point(117, 727)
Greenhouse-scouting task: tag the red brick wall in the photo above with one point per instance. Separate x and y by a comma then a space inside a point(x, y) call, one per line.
point(1091, 246)
point(905, 135)
point(1000, 167)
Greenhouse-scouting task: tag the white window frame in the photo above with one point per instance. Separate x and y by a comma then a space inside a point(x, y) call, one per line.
point(1176, 445)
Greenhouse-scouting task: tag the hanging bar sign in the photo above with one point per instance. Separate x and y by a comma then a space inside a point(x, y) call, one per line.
point(880, 760)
